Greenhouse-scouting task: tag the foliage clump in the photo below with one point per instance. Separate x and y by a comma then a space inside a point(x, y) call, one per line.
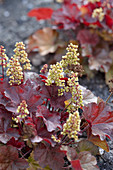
point(49, 117)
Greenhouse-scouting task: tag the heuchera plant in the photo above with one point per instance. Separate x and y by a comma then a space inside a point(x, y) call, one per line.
point(90, 22)
point(49, 121)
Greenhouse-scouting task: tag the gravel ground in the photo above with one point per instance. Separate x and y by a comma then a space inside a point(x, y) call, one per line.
point(16, 26)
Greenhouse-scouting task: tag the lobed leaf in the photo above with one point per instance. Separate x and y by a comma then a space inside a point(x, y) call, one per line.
point(50, 118)
point(6, 132)
point(100, 117)
point(51, 156)
point(9, 159)
point(27, 92)
point(46, 40)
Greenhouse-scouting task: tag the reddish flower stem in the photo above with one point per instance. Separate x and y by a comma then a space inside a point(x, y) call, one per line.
point(2, 70)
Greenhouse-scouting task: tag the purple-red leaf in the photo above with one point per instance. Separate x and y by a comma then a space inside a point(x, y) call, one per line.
point(16, 143)
point(6, 132)
point(36, 130)
point(100, 117)
point(100, 59)
point(76, 164)
point(27, 92)
point(9, 159)
point(51, 156)
point(51, 93)
point(50, 118)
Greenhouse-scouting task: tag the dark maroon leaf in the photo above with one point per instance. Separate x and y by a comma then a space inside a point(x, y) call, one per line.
point(16, 143)
point(37, 131)
point(51, 93)
point(50, 118)
point(101, 118)
point(51, 156)
point(9, 159)
point(4, 84)
point(3, 99)
point(28, 92)
point(6, 132)
point(20, 164)
point(64, 116)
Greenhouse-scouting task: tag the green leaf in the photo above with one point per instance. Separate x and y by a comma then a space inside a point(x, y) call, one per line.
point(33, 165)
point(86, 145)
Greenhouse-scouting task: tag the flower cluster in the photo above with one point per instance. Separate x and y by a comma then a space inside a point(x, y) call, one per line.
point(54, 137)
point(56, 75)
point(21, 55)
point(44, 69)
point(4, 58)
point(56, 71)
point(72, 126)
point(14, 72)
point(76, 100)
point(17, 64)
point(98, 13)
point(71, 58)
point(22, 112)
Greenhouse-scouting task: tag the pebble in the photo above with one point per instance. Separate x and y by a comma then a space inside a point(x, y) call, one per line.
point(30, 6)
point(6, 14)
point(24, 17)
point(24, 2)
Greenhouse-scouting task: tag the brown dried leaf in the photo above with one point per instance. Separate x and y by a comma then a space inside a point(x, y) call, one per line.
point(101, 143)
point(86, 145)
point(45, 40)
point(60, 1)
point(107, 36)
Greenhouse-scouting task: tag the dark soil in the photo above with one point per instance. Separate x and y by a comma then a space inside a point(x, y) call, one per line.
point(15, 26)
